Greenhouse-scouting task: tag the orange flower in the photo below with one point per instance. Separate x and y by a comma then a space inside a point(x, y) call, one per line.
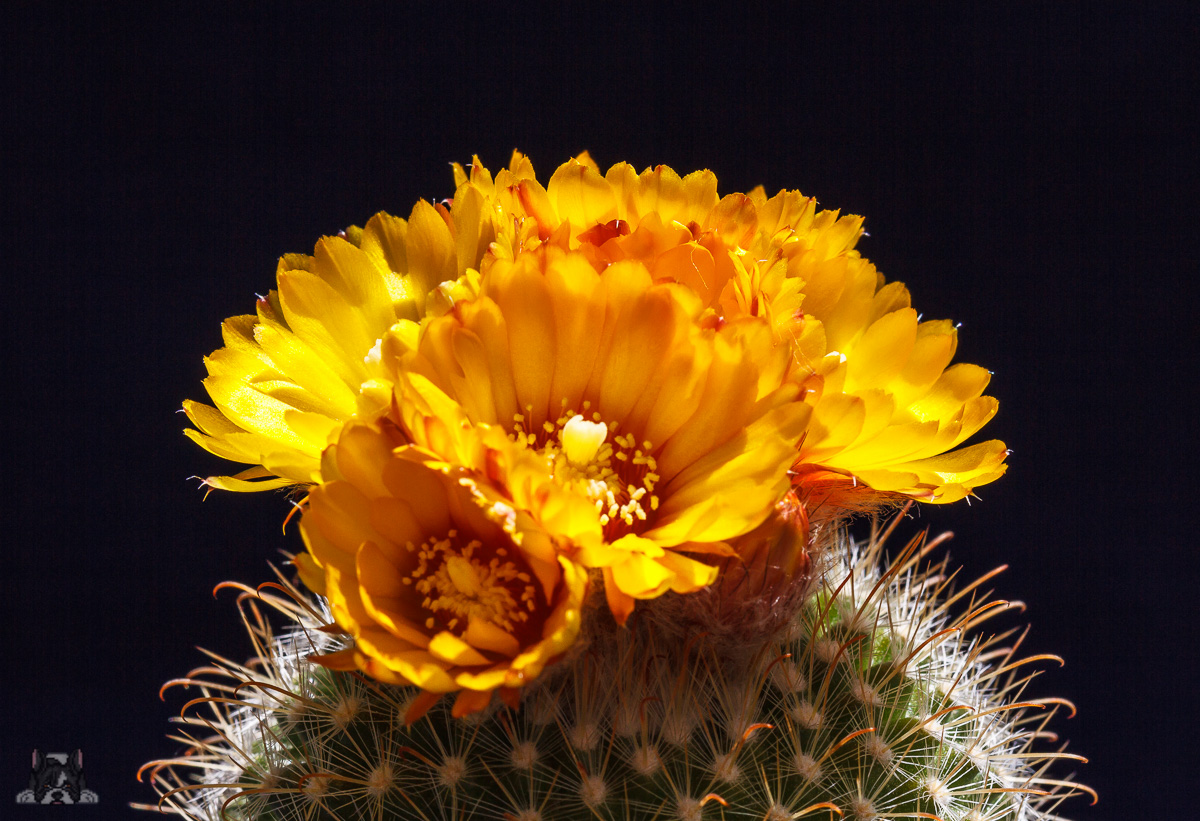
point(439, 587)
point(887, 405)
point(888, 408)
point(678, 431)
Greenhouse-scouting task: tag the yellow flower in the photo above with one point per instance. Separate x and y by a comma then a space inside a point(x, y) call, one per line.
point(439, 587)
point(289, 377)
point(676, 430)
point(888, 408)
point(887, 405)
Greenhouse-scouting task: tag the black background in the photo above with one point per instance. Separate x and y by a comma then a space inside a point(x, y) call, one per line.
point(1026, 171)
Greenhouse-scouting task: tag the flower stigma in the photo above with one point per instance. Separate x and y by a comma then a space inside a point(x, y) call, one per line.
point(581, 439)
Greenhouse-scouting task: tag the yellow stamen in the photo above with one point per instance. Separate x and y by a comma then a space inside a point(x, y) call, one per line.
point(462, 585)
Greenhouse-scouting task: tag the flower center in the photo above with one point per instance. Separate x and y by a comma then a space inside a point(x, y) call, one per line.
point(457, 584)
point(593, 459)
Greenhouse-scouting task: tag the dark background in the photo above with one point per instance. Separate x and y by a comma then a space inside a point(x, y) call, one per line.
point(1027, 172)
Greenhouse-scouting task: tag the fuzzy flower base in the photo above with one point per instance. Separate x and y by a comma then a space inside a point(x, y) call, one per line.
point(879, 699)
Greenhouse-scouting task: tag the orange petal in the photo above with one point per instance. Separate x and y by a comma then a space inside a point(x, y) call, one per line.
point(619, 604)
point(470, 701)
point(420, 706)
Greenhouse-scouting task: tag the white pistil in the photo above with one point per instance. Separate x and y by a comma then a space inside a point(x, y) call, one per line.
point(463, 576)
point(581, 439)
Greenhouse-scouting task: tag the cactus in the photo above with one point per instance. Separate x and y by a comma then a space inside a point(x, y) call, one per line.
point(646, 609)
point(878, 698)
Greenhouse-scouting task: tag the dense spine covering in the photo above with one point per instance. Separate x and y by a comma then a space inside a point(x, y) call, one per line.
point(880, 699)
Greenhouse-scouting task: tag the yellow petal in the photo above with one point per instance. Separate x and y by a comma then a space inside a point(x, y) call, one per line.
point(689, 575)
point(958, 384)
point(487, 636)
point(580, 195)
point(350, 272)
point(390, 603)
point(450, 648)
point(640, 576)
point(432, 255)
point(883, 350)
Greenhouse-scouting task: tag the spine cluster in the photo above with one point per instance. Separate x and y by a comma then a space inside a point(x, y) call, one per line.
point(881, 698)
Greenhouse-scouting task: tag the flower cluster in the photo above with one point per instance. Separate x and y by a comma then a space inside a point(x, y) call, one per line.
point(617, 383)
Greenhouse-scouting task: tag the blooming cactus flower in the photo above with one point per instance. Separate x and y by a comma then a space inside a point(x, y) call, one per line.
point(690, 427)
point(888, 408)
point(621, 381)
point(439, 587)
point(290, 376)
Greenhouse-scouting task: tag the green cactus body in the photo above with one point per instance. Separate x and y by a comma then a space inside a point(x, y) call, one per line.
point(878, 699)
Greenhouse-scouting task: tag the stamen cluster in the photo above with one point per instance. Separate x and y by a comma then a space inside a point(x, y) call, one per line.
point(456, 583)
point(595, 460)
